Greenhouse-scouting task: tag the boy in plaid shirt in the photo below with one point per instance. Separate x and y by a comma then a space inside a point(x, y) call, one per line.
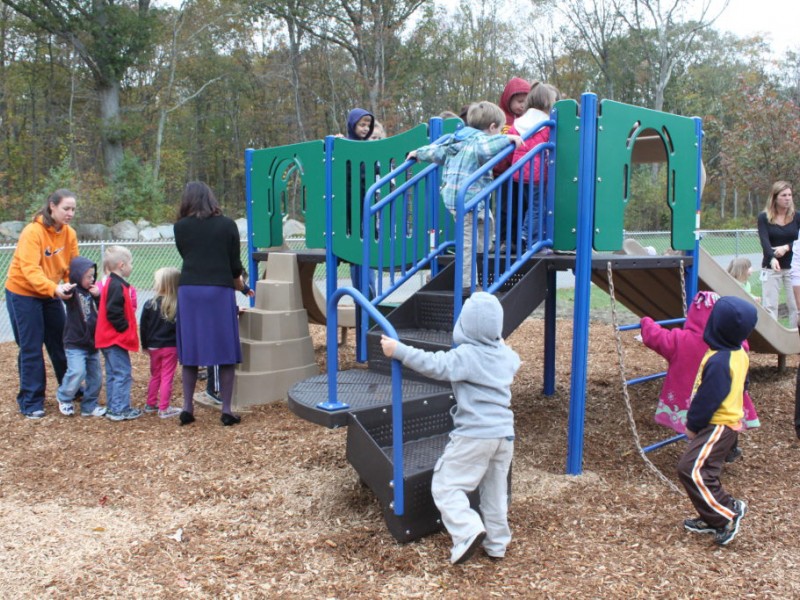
point(462, 154)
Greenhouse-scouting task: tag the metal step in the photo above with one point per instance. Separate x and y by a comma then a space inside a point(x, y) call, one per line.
point(360, 389)
point(425, 339)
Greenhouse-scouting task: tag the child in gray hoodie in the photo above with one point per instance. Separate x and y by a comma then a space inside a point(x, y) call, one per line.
point(478, 456)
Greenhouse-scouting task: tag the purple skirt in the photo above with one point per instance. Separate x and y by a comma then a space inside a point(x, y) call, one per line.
point(207, 326)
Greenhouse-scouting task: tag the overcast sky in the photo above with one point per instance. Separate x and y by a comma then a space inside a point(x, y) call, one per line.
point(776, 19)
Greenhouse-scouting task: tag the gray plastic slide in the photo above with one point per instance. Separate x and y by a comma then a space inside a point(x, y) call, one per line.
point(769, 337)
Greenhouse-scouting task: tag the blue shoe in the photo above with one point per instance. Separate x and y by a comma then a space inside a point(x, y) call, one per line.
point(35, 415)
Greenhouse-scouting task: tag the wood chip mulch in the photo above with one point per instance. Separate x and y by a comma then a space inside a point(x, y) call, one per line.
point(90, 508)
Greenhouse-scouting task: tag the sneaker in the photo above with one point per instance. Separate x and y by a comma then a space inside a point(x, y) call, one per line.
point(37, 414)
point(463, 551)
point(208, 399)
point(98, 411)
point(170, 411)
point(132, 413)
point(725, 535)
point(698, 526)
point(126, 415)
point(66, 408)
point(734, 454)
point(150, 409)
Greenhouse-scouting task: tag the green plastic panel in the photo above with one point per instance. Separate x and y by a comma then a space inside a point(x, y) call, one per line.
point(565, 211)
point(619, 125)
point(356, 166)
point(273, 171)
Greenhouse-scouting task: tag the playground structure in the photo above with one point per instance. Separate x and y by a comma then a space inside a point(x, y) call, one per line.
point(375, 208)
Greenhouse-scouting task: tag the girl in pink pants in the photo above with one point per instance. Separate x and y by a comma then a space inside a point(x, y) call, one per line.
point(157, 330)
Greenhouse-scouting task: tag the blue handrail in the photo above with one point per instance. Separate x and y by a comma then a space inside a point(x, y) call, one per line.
point(333, 403)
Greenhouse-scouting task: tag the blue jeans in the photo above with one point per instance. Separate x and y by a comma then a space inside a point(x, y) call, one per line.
point(118, 379)
point(372, 280)
point(82, 365)
point(36, 322)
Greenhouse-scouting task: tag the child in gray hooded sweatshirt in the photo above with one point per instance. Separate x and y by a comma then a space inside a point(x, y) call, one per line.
point(481, 369)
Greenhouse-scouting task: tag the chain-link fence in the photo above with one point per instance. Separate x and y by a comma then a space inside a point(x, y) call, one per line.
point(149, 256)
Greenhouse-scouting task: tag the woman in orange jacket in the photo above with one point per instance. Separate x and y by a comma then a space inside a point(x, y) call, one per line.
point(37, 282)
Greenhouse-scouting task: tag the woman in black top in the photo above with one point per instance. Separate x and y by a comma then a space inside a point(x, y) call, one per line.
point(207, 322)
point(778, 227)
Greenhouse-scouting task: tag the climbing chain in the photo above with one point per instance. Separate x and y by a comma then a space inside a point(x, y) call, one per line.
point(683, 289)
point(625, 395)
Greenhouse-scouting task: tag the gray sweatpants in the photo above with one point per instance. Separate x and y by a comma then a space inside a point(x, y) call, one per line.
point(468, 464)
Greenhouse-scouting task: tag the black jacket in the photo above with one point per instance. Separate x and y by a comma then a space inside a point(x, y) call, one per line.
point(81, 319)
point(154, 330)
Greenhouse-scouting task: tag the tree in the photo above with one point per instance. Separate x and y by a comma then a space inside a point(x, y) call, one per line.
point(109, 36)
point(666, 36)
point(363, 28)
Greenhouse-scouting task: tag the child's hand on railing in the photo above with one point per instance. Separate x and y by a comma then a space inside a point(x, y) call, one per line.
point(389, 345)
point(515, 139)
point(411, 155)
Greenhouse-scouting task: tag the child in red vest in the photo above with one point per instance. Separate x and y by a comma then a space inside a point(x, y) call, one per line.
point(117, 334)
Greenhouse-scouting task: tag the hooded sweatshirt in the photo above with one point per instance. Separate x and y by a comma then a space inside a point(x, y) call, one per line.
point(516, 85)
point(481, 369)
point(354, 117)
point(721, 380)
point(684, 348)
point(41, 259)
point(463, 154)
point(81, 322)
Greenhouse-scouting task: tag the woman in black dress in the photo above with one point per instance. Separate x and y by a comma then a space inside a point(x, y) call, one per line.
point(207, 323)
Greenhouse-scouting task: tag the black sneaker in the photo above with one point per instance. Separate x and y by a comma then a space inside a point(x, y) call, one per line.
point(725, 535)
point(698, 526)
point(734, 454)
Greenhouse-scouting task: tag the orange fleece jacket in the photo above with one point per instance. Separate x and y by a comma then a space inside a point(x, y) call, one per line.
point(41, 259)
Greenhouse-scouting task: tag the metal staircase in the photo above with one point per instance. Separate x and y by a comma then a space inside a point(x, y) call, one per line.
point(424, 320)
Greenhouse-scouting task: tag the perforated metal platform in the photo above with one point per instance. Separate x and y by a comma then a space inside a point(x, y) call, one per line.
point(420, 455)
point(360, 389)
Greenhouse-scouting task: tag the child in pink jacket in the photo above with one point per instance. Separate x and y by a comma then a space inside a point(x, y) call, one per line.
point(538, 105)
point(684, 349)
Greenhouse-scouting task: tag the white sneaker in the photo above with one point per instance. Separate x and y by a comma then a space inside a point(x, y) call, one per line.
point(170, 411)
point(98, 411)
point(463, 551)
point(66, 408)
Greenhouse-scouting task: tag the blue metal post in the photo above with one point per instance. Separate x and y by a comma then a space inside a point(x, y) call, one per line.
point(550, 335)
point(694, 270)
point(252, 265)
point(331, 272)
point(583, 278)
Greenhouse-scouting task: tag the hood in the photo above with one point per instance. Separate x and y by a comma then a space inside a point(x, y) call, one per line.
point(480, 321)
point(463, 134)
point(699, 311)
point(353, 117)
point(732, 320)
point(530, 120)
point(78, 267)
point(516, 85)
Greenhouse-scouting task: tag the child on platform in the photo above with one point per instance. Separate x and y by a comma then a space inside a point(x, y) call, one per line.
point(462, 154)
point(157, 329)
point(684, 348)
point(714, 419)
point(512, 101)
point(83, 358)
point(538, 105)
point(117, 334)
point(481, 369)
